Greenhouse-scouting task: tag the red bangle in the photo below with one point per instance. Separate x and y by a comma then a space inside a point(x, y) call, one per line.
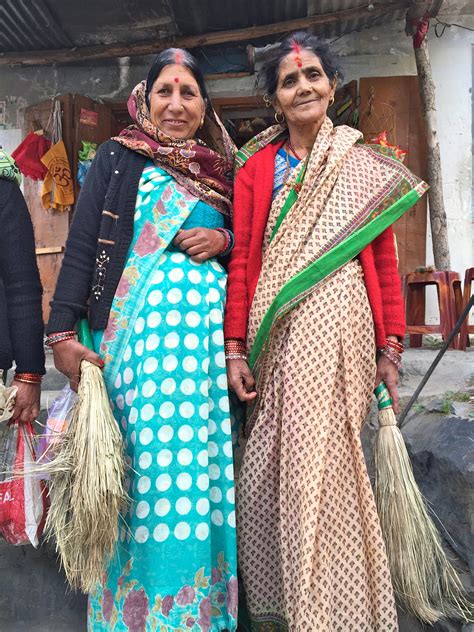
point(392, 355)
point(28, 378)
point(233, 346)
point(222, 231)
point(60, 333)
point(52, 339)
point(398, 346)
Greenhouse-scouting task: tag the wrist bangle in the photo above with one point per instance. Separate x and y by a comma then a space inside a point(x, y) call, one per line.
point(392, 355)
point(232, 347)
point(394, 344)
point(229, 241)
point(235, 356)
point(28, 378)
point(59, 337)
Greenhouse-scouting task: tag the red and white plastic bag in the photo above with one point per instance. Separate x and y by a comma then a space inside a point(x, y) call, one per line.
point(23, 496)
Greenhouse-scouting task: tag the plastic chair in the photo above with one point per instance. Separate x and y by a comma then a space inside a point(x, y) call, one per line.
point(414, 286)
point(466, 328)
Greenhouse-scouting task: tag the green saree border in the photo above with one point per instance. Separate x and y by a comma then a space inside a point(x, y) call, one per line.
point(294, 290)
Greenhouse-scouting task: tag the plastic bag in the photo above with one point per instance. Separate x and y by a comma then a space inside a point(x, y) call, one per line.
point(23, 500)
point(58, 421)
point(7, 401)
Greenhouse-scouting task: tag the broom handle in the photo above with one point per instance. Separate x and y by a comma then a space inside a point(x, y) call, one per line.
point(436, 361)
point(84, 334)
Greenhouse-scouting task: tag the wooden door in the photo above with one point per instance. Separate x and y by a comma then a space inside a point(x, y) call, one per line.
point(93, 121)
point(392, 104)
point(51, 227)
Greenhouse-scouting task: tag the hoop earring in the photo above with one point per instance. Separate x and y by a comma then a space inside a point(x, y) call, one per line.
point(331, 101)
point(281, 120)
point(267, 100)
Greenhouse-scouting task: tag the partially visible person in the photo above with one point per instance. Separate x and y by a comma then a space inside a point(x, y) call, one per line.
point(21, 323)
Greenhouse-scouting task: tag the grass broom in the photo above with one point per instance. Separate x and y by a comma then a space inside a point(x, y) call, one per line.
point(87, 481)
point(424, 580)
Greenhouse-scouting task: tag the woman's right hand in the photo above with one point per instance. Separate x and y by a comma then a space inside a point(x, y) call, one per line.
point(68, 356)
point(241, 380)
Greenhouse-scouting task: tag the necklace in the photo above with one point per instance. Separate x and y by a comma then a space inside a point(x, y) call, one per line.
point(288, 166)
point(292, 149)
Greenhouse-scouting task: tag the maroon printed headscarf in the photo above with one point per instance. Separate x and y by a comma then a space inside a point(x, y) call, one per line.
point(203, 165)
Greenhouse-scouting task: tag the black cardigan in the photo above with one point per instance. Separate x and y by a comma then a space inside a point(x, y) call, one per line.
point(21, 320)
point(99, 239)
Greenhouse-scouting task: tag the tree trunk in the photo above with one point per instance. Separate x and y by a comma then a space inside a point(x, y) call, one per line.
point(439, 228)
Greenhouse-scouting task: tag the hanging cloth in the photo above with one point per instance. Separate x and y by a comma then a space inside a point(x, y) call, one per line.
point(28, 155)
point(57, 191)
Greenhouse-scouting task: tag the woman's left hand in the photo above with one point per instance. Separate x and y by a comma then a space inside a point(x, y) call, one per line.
point(388, 372)
point(200, 243)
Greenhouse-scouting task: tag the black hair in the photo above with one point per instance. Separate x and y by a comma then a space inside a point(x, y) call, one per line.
point(166, 58)
point(268, 75)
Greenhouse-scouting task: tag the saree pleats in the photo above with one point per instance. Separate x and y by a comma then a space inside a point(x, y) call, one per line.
point(311, 549)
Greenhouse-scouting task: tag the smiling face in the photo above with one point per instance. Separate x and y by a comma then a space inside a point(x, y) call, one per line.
point(176, 104)
point(303, 90)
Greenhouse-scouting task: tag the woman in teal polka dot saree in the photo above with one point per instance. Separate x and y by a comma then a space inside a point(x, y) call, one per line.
point(165, 370)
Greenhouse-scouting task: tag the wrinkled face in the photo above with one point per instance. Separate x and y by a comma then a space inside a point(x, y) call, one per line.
point(176, 104)
point(303, 90)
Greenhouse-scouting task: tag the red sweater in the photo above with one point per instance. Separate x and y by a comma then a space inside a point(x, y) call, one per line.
point(252, 202)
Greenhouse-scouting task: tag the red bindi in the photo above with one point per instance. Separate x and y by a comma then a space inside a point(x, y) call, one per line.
point(297, 48)
point(176, 79)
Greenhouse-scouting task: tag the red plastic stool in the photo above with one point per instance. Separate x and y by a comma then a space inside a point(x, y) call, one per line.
point(414, 286)
point(466, 328)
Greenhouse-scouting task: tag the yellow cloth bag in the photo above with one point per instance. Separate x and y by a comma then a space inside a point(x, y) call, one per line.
point(57, 191)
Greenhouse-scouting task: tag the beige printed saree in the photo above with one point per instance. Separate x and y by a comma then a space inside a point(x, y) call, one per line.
point(310, 546)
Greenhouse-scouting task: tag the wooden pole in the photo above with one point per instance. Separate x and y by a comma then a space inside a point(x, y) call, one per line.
point(102, 51)
point(439, 228)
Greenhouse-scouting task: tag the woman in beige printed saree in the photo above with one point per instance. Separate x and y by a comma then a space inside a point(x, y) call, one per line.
point(313, 292)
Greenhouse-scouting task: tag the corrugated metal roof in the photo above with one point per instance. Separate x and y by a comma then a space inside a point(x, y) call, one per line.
point(27, 25)
point(321, 7)
point(207, 16)
point(92, 22)
point(37, 25)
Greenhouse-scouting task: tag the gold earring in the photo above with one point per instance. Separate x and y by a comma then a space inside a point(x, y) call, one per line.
point(280, 120)
point(331, 101)
point(267, 100)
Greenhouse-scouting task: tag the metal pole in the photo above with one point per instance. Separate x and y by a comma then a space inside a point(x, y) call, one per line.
point(436, 361)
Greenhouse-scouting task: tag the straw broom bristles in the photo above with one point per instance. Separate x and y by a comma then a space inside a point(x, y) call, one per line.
point(422, 576)
point(87, 491)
